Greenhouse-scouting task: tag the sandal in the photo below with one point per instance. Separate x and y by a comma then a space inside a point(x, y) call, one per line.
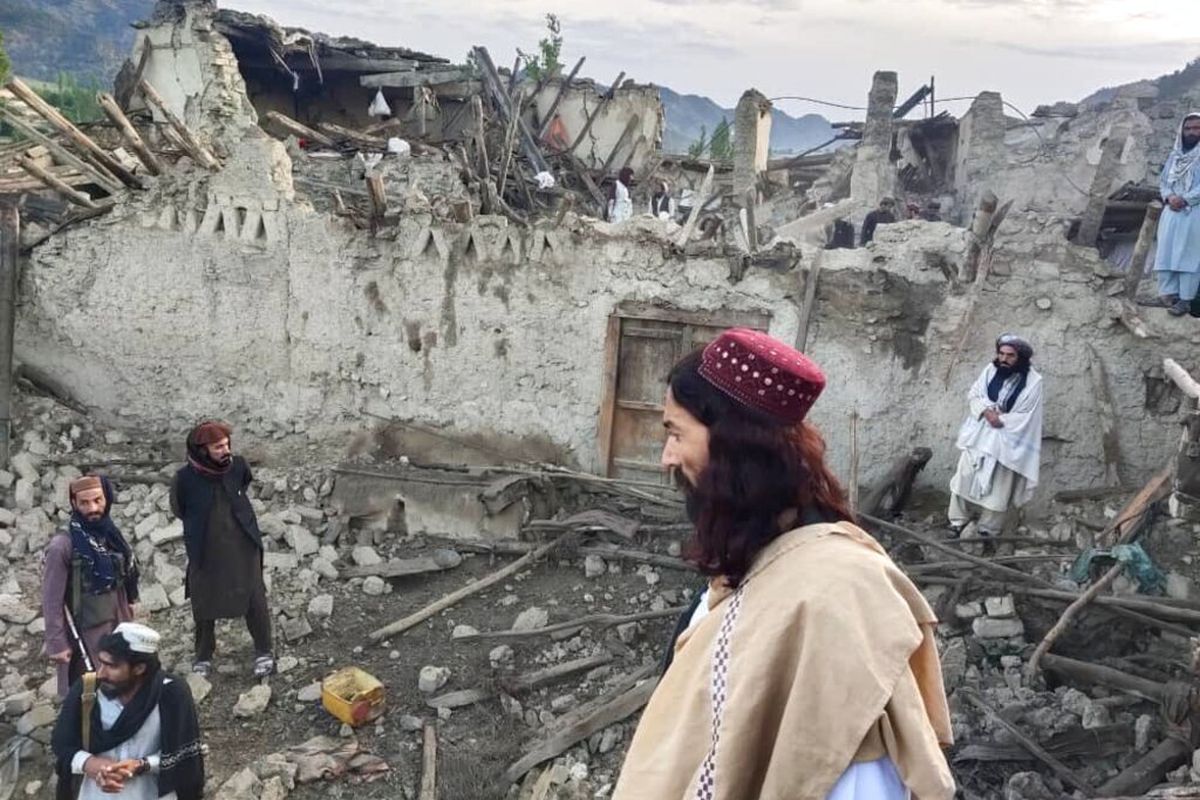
point(202, 668)
point(264, 666)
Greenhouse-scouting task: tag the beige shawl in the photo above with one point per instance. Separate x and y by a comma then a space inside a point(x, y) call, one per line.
point(823, 658)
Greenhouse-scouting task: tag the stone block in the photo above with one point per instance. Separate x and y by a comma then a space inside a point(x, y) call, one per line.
point(531, 619)
point(154, 598)
point(281, 561)
point(432, 678)
point(171, 532)
point(1000, 607)
point(321, 606)
point(992, 628)
point(301, 540)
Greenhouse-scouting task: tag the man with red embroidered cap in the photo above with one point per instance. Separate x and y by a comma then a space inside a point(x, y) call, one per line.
point(224, 545)
point(808, 668)
point(88, 573)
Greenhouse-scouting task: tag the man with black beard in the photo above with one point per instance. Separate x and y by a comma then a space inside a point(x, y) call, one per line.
point(1000, 440)
point(1177, 260)
point(224, 546)
point(89, 573)
point(138, 737)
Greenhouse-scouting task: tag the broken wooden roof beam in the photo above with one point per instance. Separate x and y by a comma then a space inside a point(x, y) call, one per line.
point(409, 78)
point(501, 101)
point(190, 143)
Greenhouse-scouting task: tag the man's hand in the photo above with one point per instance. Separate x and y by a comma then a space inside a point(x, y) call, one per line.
point(106, 773)
point(61, 658)
point(1176, 203)
point(993, 418)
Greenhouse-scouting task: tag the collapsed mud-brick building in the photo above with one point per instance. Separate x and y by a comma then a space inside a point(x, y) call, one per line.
point(303, 291)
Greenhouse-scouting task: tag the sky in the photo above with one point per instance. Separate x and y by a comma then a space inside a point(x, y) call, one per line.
point(1032, 51)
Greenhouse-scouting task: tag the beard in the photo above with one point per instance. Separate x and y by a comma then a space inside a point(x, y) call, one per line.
point(114, 690)
point(224, 461)
point(1189, 141)
point(94, 516)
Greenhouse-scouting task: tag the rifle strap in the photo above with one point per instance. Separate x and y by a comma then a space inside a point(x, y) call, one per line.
point(88, 701)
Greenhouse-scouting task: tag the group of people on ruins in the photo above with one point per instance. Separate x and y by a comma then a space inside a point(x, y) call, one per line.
point(139, 722)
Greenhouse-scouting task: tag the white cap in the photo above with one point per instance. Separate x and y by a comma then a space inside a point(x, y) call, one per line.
point(141, 638)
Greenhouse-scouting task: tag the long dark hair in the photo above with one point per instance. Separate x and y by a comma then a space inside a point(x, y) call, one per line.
point(758, 469)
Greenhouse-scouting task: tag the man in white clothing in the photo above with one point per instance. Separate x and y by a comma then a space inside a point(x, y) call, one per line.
point(1000, 440)
point(138, 736)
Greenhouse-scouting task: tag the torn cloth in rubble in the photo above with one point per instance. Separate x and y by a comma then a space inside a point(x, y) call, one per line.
point(1137, 565)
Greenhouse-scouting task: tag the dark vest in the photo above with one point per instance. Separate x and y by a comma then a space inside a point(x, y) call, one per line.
point(195, 495)
point(90, 610)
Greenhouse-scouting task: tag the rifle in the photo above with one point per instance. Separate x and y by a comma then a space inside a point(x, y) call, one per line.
point(88, 695)
point(78, 639)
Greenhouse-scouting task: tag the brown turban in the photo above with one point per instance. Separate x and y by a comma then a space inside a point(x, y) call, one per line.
point(84, 484)
point(210, 432)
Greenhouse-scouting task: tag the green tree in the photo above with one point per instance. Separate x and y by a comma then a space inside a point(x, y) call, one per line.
point(721, 146)
point(546, 62)
point(76, 101)
point(4, 62)
point(696, 149)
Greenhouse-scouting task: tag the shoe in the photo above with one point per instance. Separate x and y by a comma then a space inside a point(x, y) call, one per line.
point(1180, 308)
point(956, 530)
point(264, 666)
point(202, 668)
point(1162, 301)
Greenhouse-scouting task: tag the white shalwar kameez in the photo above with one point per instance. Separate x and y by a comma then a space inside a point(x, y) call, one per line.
point(998, 467)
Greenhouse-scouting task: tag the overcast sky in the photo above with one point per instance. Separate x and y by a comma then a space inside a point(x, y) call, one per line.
point(1033, 51)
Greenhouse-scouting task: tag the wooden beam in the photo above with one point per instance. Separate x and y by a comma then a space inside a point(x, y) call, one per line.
point(1148, 770)
point(591, 118)
point(129, 133)
point(808, 311)
point(429, 789)
point(453, 598)
point(299, 130)
point(977, 239)
point(598, 620)
point(107, 182)
point(81, 139)
point(192, 145)
point(702, 198)
point(10, 250)
point(356, 138)
point(494, 87)
point(74, 195)
point(522, 684)
point(630, 127)
point(1108, 418)
point(558, 97)
point(410, 78)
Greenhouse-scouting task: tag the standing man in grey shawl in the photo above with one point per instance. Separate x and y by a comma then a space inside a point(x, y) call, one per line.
point(1178, 258)
point(1000, 440)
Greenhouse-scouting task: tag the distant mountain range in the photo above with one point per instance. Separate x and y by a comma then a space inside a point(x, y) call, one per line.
point(688, 114)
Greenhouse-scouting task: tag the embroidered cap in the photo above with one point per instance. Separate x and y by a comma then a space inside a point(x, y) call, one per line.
point(763, 373)
point(141, 639)
point(84, 484)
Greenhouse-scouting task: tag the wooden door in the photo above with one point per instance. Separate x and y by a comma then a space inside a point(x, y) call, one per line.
point(644, 342)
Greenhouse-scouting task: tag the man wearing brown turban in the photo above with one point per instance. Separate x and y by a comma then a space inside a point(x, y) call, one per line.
point(224, 546)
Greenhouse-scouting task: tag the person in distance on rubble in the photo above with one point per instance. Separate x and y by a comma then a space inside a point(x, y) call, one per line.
point(142, 733)
point(884, 215)
point(88, 572)
point(808, 668)
point(1177, 260)
point(223, 543)
point(1000, 440)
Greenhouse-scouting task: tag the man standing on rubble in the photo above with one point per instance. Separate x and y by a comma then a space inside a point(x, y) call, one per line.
point(224, 545)
point(89, 575)
point(620, 203)
point(1177, 260)
point(808, 669)
point(883, 215)
point(1000, 440)
point(138, 736)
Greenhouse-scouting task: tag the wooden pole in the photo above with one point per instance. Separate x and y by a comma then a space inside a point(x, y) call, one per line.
point(451, 599)
point(630, 127)
point(810, 302)
point(429, 764)
point(591, 119)
point(694, 215)
point(1146, 237)
point(74, 195)
point(81, 139)
point(129, 133)
point(1102, 183)
point(1108, 418)
point(299, 130)
point(108, 183)
point(10, 248)
point(192, 144)
point(852, 490)
point(980, 226)
point(558, 97)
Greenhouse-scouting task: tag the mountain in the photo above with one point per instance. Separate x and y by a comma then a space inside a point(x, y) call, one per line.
point(88, 39)
point(686, 114)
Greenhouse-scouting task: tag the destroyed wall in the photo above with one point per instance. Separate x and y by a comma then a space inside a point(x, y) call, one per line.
point(633, 106)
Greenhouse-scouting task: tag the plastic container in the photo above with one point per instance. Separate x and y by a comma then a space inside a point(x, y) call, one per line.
point(352, 695)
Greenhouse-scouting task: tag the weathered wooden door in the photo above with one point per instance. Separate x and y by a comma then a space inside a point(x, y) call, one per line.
point(644, 342)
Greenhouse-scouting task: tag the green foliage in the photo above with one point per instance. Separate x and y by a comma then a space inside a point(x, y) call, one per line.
point(4, 62)
point(696, 149)
point(77, 101)
point(721, 146)
point(546, 61)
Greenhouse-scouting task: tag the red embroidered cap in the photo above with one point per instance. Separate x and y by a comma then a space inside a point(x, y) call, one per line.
point(763, 373)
